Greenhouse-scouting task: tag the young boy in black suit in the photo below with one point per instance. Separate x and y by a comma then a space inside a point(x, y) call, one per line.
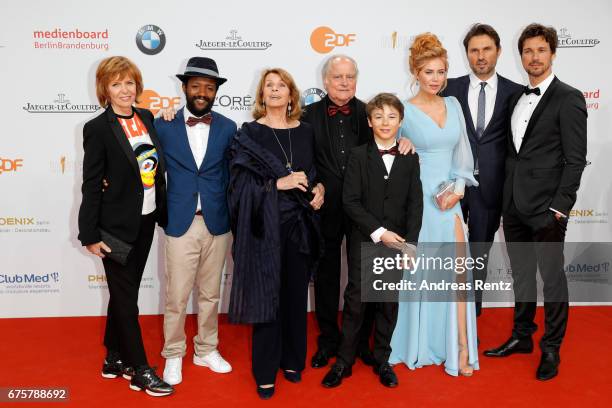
point(382, 195)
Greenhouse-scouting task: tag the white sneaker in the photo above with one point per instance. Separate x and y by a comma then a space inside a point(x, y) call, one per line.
point(172, 371)
point(214, 361)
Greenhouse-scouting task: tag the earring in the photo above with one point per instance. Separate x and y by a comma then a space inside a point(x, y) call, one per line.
point(289, 110)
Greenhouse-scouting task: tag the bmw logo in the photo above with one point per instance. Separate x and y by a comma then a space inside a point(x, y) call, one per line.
point(150, 39)
point(312, 95)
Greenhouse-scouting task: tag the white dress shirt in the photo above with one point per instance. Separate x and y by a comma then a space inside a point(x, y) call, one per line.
point(198, 142)
point(522, 114)
point(524, 109)
point(490, 96)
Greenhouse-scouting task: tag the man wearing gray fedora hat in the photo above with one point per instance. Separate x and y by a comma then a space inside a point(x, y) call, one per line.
point(195, 145)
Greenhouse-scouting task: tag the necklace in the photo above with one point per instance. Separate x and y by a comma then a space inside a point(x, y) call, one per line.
point(290, 158)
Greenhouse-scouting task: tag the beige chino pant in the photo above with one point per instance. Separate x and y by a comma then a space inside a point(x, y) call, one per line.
point(194, 259)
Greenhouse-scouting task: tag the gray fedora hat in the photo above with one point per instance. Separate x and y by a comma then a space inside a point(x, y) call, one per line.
point(201, 67)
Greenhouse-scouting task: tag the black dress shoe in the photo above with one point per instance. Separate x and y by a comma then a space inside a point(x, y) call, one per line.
point(292, 376)
point(512, 346)
point(146, 379)
point(321, 358)
point(336, 373)
point(386, 375)
point(367, 357)
point(549, 365)
point(265, 393)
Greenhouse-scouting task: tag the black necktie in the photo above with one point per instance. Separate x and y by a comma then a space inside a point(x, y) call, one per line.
point(528, 91)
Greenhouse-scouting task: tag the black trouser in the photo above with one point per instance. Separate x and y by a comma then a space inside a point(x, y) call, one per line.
point(335, 225)
point(482, 223)
point(282, 343)
point(122, 328)
point(538, 232)
point(384, 316)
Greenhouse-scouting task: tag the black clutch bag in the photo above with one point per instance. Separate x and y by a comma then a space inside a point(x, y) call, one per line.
point(120, 250)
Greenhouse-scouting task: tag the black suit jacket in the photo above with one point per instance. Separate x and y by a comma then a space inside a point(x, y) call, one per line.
point(372, 198)
point(328, 168)
point(109, 155)
point(545, 172)
point(490, 149)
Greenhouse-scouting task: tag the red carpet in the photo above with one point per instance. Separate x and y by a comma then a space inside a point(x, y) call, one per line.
point(68, 352)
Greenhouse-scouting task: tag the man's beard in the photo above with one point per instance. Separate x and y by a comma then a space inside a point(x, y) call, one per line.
point(199, 112)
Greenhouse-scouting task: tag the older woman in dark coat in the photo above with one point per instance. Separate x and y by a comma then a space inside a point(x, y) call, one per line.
point(276, 233)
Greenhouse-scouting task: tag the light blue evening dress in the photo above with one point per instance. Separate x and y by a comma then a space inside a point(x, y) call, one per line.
point(426, 332)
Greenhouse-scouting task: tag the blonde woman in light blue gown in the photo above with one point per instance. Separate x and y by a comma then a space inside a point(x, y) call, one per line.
point(435, 332)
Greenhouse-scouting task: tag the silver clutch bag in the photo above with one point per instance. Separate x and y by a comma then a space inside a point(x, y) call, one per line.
point(444, 190)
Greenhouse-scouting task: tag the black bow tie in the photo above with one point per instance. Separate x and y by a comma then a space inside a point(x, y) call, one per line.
point(206, 119)
point(528, 91)
point(392, 151)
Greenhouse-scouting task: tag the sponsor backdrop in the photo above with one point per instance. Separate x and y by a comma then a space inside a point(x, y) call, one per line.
point(50, 50)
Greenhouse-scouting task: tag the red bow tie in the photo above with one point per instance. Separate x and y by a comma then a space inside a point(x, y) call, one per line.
point(392, 151)
point(333, 110)
point(206, 119)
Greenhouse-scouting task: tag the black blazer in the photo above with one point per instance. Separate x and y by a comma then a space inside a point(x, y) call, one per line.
point(490, 149)
point(545, 172)
point(109, 155)
point(326, 163)
point(372, 198)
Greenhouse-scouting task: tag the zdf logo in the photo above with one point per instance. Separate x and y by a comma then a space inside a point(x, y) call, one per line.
point(152, 101)
point(7, 165)
point(324, 39)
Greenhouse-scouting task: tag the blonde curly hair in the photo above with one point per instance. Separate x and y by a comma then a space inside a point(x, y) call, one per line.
point(425, 47)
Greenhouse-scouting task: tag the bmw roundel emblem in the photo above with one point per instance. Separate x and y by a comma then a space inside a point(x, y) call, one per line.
point(150, 39)
point(312, 95)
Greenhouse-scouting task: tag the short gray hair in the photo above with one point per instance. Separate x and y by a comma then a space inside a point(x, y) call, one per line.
point(336, 57)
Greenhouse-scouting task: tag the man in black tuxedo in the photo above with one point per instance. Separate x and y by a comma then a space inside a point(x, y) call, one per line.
point(484, 95)
point(340, 123)
point(382, 196)
point(546, 155)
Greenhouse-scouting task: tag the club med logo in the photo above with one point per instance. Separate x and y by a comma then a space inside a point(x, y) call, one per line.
point(592, 99)
point(233, 42)
point(150, 39)
point(587, 268)
point(312, 95)
point(74, 39)
point(566, 40)
point(152, 101)
point(235, 103)
point(29, 283)
point(52, 277)
point(61, 105)
point(323, 39)
point(10, 165)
